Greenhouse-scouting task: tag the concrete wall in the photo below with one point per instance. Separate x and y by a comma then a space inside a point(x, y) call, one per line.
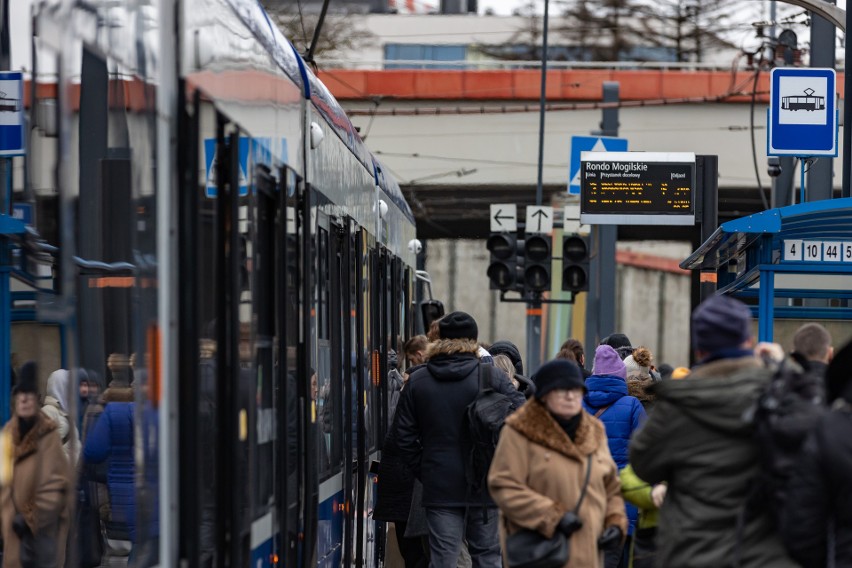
point(652, 307)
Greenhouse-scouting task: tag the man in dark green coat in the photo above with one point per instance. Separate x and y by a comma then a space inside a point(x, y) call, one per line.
point(697, 440)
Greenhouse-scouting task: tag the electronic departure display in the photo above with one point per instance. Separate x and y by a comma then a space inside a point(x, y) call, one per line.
point(637, 188)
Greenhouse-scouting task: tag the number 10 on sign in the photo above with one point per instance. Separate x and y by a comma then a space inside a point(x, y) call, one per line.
point(818, 251)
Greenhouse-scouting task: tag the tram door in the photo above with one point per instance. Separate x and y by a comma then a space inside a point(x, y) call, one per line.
point(336, 416)
point(244, 376)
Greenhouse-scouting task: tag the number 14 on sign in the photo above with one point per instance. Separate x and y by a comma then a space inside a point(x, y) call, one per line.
point(818, 251)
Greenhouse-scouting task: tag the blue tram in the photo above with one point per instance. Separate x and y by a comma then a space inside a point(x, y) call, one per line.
point(249, 255)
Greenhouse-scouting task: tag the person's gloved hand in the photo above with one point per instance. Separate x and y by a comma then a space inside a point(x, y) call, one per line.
point(19, 525)
point(610, 539)
point(569, 524)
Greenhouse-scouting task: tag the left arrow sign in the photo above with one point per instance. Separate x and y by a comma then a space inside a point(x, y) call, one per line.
point(504, 217)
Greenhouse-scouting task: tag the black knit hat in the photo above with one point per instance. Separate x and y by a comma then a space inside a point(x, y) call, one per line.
point(458, 325)
point(557, 374)
point(616, 341)
point(619, 342)
point(27, 379)
point(510, 350)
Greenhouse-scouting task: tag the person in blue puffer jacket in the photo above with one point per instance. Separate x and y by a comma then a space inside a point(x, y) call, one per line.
point(622, 414)
point(111, 438)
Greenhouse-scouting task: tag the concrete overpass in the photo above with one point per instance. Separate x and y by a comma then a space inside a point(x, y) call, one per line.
point(458, 140)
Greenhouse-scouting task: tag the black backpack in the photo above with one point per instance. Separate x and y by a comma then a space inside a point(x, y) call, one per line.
point(484, 417)
point(783, 416)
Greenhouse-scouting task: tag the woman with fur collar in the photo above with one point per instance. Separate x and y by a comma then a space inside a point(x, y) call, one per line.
point(540, 465)
point(35, 481)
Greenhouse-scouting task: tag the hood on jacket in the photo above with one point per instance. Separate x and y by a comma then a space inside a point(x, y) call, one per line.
point(718, 394)
point(604, 390)
point(643, 389)
point(452, 359)
point(57, 387)
point(510, 350)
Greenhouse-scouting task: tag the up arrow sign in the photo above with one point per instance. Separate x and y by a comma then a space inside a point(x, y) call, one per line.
point(539, 219)
point(504, 217)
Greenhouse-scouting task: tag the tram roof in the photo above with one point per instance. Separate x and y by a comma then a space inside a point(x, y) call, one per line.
point(830, 218)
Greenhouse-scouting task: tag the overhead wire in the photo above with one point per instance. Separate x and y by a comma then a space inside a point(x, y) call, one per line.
point(751, 124)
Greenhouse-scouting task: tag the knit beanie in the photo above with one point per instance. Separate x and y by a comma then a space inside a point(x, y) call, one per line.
point(558, 374)
point(639, 361)
point(616, 340)
point(458, 325)
point(27, 379)
point(607, 362)
point(720, 323)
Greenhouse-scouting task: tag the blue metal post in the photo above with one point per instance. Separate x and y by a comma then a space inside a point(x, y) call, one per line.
point(766, 305)
point(5, 299)
point(802, 161)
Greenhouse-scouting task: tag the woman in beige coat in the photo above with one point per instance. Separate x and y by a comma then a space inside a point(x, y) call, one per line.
point(539, 468)
point(34, 483)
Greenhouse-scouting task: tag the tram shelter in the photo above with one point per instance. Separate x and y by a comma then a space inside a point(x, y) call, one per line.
point(792, 253)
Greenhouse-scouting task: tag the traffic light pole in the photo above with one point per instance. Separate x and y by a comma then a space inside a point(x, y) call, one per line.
point(534, 306)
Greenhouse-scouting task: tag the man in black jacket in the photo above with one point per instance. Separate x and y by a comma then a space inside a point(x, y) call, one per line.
point(434, 441)
point(817, 516)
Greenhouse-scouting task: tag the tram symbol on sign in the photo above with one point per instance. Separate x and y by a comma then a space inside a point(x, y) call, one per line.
point(809, 102)
point(9, 105)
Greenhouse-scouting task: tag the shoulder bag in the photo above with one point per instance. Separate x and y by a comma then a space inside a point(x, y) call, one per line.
point(531, 549)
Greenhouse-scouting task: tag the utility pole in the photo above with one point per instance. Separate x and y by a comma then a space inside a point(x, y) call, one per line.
point(820, 183)
point(600, 301)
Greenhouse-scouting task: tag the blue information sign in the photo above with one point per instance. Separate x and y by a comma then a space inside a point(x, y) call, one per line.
point(580, 144)
point(12, 142)
point(802, 112)
point(251, 151)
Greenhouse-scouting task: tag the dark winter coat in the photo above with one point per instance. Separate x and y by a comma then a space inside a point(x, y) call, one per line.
point(432, 437)
point(819, 491)
point(111, 439)
point(396, 482)
point(698, 441)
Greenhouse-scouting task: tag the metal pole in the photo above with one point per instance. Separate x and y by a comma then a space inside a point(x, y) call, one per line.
point(534, 306)
point(167, 305)
point(802, 161)
point(846, 191)
point(542, 97)
point(820, 172)
point(5, 297)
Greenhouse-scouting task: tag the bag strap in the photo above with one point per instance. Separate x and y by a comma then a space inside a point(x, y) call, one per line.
point(585, 484)
point(602, 410)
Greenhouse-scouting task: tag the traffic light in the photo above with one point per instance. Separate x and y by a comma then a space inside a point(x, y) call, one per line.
point(575, 263)
point(537, 263)
point(503, 268)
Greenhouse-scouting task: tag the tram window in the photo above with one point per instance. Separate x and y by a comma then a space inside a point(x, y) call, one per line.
point(323, 286)
point(327, 395)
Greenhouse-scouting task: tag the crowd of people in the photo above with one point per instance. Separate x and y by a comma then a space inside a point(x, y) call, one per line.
point(742, 460)
point(64, 480)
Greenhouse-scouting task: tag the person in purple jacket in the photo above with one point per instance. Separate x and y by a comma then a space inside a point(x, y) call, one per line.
point(622, 414)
